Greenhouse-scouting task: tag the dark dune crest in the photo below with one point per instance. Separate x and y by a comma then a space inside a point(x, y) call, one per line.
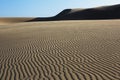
point(63, 13)
point(105, 12)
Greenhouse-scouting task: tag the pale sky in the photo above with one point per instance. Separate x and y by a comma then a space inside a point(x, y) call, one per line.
point(45, 8)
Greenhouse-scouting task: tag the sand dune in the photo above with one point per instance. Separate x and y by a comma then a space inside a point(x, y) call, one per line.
point(104, 12)
point(97, 13)
point(14, 20)
point(64, 50)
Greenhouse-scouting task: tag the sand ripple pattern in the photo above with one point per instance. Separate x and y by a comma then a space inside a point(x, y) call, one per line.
point(68, 50)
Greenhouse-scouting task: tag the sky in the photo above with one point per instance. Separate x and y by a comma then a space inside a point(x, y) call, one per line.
point(45, 8)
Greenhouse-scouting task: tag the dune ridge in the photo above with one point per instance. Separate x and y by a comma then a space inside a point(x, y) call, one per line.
point(97, 13)
point(64, 50)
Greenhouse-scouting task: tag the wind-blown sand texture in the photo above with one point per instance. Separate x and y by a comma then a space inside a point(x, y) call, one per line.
point(60, 50)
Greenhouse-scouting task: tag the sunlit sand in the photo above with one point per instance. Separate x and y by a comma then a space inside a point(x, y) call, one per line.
point(60, 50)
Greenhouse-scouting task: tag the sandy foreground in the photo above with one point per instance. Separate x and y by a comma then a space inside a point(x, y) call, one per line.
point(60, 50)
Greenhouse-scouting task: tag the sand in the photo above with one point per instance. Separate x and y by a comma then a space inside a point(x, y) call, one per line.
point(60, 50)
point(9, 20)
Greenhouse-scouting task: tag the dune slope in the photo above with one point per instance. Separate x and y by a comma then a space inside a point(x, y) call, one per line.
point(104, 12)
point(64, 50)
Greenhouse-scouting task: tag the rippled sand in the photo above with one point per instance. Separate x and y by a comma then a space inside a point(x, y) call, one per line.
point(63, 50)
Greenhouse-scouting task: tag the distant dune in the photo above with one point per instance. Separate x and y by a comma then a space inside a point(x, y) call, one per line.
point(14, 20)
point(104, 12)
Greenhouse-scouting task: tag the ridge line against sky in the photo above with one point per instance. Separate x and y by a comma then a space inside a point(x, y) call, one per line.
point(40, 8)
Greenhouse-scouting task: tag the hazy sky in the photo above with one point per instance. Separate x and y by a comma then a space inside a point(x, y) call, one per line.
point(42, 8)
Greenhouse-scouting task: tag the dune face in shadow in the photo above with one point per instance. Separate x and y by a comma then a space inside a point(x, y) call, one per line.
point(107, 12)
point(111, 12)
point(57, 17)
